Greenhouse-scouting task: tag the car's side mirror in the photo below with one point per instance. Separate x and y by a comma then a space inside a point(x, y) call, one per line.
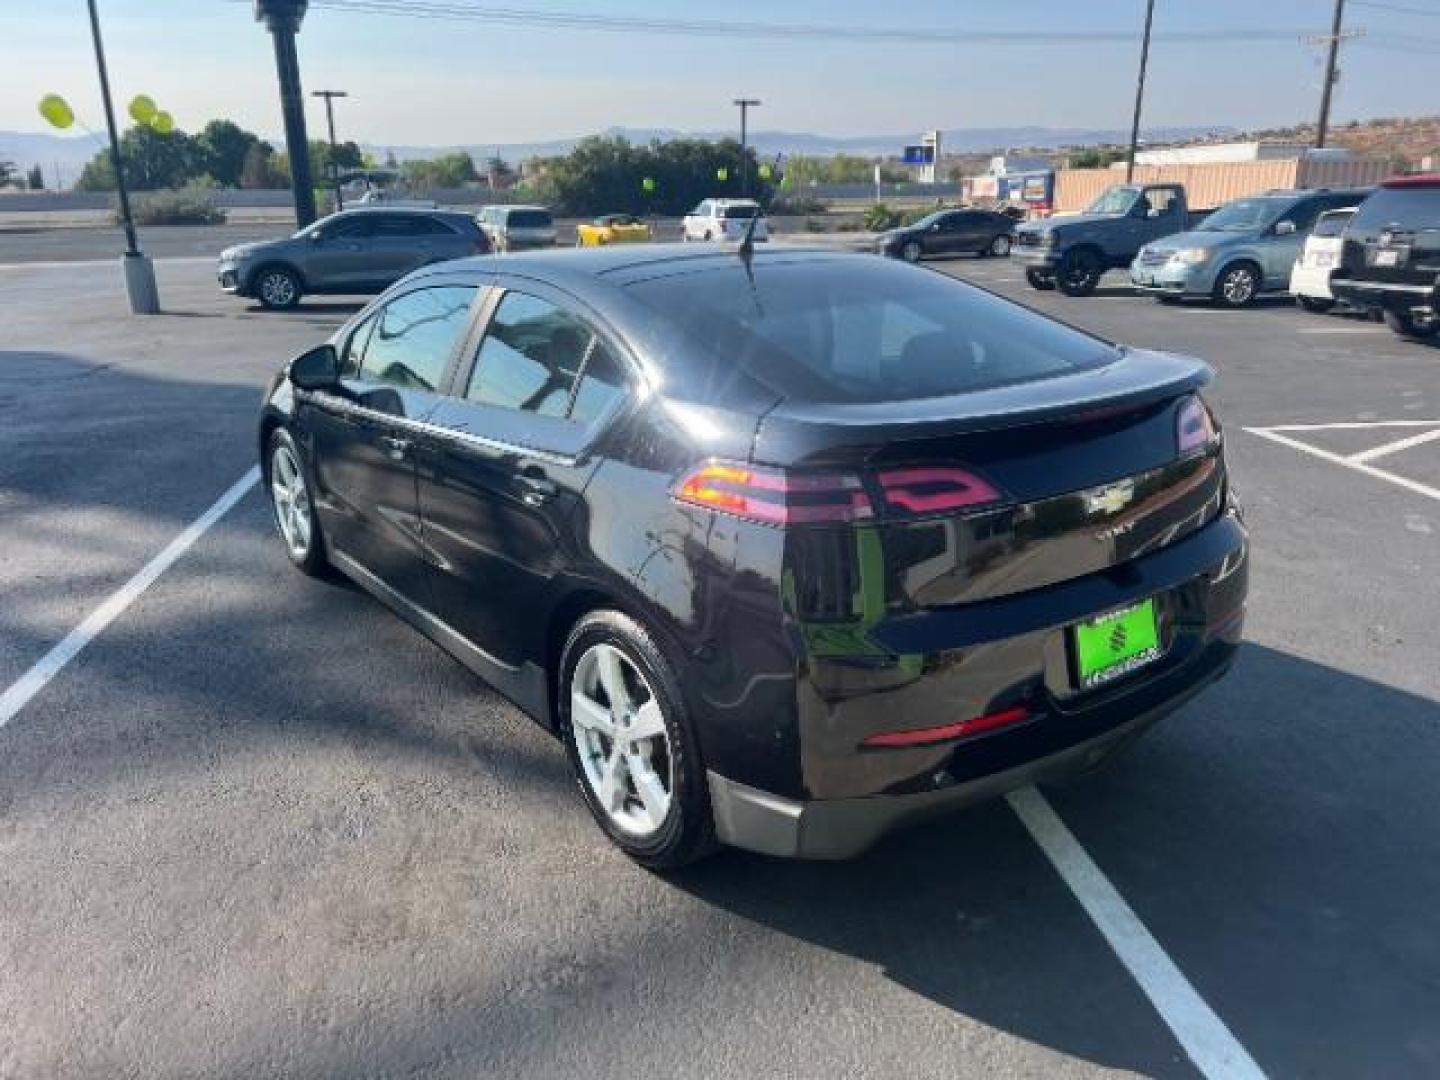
point(318, 369)
point(1284, 228)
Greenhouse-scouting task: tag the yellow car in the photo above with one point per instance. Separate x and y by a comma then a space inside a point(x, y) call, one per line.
point(613, 229)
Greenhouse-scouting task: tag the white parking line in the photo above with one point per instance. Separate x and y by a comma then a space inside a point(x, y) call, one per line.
point(1396, 446)
point(1211, 1047)
point(81, 264)
point(1405, 482)
point(1347, 425)
point(18, 695)
point(1342, 330)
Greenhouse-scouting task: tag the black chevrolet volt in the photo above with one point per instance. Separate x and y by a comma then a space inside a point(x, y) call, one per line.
point(788, 548)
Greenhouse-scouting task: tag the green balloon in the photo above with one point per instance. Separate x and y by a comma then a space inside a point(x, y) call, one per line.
point(648, 183)
point(143, 109)
point(163, 122)
point(722, 174)
point(57, 111)
point(765, 172)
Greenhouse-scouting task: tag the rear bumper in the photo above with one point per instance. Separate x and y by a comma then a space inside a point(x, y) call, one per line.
point(1042, 259)
point(1311, 281)
point(843, 828)
point(1391, 295)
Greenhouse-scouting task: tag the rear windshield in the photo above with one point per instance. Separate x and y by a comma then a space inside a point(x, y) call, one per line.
point(1411, 208)
point(528, 219)
point(741, 211)
point(866, 330)
point(1333, 223)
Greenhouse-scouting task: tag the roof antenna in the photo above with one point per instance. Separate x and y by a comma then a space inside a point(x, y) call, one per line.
point(746, 252)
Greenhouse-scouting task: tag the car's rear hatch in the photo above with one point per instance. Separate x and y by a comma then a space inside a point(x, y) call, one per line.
point(1084, 473)
point(1394, 237)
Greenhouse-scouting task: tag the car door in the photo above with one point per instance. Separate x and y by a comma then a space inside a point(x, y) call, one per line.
point(362, 435)
point(339, 255)
point(1280, 246)
point(971, 231)
point(401, 243)
point(502, 473)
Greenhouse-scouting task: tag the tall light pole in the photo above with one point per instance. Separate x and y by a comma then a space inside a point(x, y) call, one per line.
point(746, 104)
point(1331, 54)
point(330, 96)
point(283, 18)
point(1139, 92)
point(139, 271)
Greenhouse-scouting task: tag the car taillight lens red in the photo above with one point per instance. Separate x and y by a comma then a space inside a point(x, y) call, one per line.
point(793, 497)
point(775, 496)
point(948, 732)
point(1194, 426)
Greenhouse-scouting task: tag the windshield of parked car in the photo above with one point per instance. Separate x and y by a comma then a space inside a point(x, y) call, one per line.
point(1407, 207)
point(1333, 223)
point(1244, 215)
point(744, 212)
point(864, 331)
point(529, 219)
point(1115, 200)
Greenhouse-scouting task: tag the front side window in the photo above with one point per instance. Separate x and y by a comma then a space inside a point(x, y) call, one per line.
point(537, 357)
point(414, 336)
point(407, 225)
point(353, 227)
point(1116, 200)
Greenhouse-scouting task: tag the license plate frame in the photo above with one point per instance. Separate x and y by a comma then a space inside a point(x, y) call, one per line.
point(1116, 643)
point(1388, 257)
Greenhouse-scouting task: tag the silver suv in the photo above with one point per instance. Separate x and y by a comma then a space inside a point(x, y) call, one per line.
point(516, 228)
point(354, 251)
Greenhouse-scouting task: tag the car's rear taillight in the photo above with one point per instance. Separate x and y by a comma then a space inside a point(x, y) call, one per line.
point(775, 496)
point(1195, 428)
point(949, 732)
point(794, 497)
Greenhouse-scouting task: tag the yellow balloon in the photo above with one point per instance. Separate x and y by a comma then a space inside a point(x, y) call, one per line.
point(163, 122)
point(57, 111)
point(143, 109)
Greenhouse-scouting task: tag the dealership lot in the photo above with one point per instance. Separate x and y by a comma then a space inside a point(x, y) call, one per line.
point(259, 827)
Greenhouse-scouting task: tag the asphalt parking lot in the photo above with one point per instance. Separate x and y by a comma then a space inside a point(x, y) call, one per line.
point(258, 827)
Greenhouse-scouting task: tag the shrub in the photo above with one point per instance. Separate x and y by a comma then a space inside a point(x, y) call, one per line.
point(796, 205)
point(880, 217)
point(187, 206)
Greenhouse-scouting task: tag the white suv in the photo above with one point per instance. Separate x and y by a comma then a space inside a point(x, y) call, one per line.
point(725, 219)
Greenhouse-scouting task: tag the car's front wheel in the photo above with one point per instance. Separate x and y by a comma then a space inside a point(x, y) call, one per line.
point(630, 743)
point(1408, 324)
point(1037, 280)
point(277, 288)
point(292, 506)
point(911, 251)
point(1237, 285)
point(1000, 245)
point(1079, 272)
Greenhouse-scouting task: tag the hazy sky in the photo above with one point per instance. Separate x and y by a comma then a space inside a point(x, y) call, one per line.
point(417, 81)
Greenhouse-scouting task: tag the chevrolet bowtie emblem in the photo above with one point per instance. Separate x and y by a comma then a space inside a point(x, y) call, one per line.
point(1110, 499)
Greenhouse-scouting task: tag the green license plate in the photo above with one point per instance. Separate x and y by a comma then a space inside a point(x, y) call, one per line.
point(1116, 643)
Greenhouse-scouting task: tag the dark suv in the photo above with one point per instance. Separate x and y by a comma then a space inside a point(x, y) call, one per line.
point(1391, 257)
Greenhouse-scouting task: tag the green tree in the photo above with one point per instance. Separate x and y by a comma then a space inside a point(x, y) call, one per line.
point(35, 179)
point(222, 147)
point(446, 171)
point(153, 160)
point(1094, 158)
point(604, 175)
point(500, 173)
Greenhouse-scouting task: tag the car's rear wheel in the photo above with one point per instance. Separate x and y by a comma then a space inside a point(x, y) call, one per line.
point(1079, 272)
point(1237, 285)
point(292, 506)
point(1037, 280)
point(630, 744)
point(1408, 324)
point(1000, 246)
point(911, 251)
point(277, 288)
point(1318, 304)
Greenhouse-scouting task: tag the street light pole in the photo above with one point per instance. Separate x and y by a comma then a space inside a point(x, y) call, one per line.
point(1334, 49)
point(746, 104)
point(282, 18)
point(139, 271)
point(330, 96)
point(1139, 92)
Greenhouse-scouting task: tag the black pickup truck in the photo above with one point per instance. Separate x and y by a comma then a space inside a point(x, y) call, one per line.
point(1072, 253)
point(1390, 258)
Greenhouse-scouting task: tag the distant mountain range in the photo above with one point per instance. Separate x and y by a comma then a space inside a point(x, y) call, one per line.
point(71, 153)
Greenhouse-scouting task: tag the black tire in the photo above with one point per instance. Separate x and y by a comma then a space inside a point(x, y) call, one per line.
point(1037, 280)
point(310, 557)
point(1237, 285)
point(1407, 325)
point(687, 832)
point(911, 251)
point(1317, 304)
point(999, 247)
point(1079, 272)
point(278, 288)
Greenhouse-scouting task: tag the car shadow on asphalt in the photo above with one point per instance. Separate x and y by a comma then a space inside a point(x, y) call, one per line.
point(1278, 836)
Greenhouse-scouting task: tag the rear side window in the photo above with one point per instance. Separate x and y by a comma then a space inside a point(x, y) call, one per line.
point(411, 225)
point(537, 357)
point(1410, 208)
point(414, 336)
point(864, 330)
point(529, 219)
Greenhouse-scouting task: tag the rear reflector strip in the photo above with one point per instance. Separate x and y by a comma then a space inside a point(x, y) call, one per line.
point(946, 732)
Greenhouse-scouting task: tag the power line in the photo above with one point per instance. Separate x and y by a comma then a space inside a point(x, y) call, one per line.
point(1401, 9)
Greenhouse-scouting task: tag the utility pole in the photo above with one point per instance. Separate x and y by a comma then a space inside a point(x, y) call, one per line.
point(330, 96)
point(1139, 92)
point(139, 271)
point(1332, 54)
point(746, 104)
point(283, 18)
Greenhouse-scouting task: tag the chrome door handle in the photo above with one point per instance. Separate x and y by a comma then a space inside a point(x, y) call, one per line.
point(536, 490)
point(395, 448)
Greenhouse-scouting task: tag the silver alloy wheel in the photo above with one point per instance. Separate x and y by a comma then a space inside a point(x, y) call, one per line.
point(910, 252)
point(291, 501)
point(1238, 285)
point(277, 288)
point(1000, 246)
point(620, 734)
